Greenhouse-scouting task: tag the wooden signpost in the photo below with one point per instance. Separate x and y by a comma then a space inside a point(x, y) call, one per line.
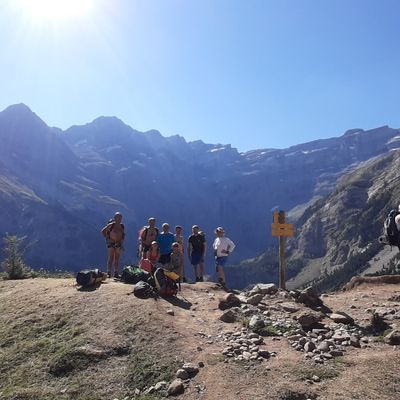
point(282, 230)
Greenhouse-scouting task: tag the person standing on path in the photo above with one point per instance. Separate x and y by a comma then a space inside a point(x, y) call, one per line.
point(114, 232)
point(180, 240)
point(222, 246)
point(196, 252)
point(165, 240)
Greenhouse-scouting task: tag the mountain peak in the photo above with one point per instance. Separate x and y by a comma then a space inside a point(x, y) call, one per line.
point(20, 107)
point(23, 114)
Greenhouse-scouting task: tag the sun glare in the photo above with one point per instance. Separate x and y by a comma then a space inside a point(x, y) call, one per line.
point(56, 9)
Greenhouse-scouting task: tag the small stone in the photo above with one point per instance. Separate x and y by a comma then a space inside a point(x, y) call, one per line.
point(354, 341)
point(309, 347)
point(228, 316)
point(175, 387)
point(182, 374)
point(160, 385)
point(200, 364)
point(316, 378)
point(393, 338)
point(170, 312)
point(256, 323)
point(290, 307)
point(263, 288)
point(228, 301)
point(190, 368)
point(341, 317)
point(264, 353)
point(199, 348)
point(336, 353)
point(255, 299)
point(325, 345)
point(246, 355)
point(308, 318)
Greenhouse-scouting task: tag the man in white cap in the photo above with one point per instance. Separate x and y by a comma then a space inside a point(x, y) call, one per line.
point(223, 246)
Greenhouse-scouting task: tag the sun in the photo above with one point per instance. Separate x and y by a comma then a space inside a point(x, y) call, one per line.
point(56, 9)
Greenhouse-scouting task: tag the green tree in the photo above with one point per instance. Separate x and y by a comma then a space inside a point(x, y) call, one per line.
point(13, 263)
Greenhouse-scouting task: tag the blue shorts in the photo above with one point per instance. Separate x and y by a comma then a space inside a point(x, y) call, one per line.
point(220, 261)
point(196, 258)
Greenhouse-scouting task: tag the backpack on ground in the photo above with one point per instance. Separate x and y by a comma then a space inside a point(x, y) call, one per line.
point(146, 265)
point(143, 290)
point(165, 285)
point(133, 274)
point(390, 231)
point(89, 277)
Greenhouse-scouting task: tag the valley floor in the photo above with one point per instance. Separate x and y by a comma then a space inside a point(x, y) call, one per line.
point(57, 342)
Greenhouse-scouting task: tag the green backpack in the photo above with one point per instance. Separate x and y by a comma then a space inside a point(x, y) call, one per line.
point(133, 274)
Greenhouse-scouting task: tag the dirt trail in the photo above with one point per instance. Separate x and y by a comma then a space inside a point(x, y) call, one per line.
point(118, 325)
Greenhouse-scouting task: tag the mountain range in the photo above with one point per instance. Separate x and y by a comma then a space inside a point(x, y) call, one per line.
point(60, 187)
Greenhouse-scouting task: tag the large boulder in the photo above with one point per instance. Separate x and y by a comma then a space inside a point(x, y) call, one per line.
point(255, 299)
point(263, 288)
point(309, 298)
point(307, 319)
point(175, 387)
point(393, 338)
point(341, 317)
point(256, 323)
point(228, 301)
point(228, 316)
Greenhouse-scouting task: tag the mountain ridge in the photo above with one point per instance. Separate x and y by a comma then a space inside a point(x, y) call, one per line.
point(89, 171)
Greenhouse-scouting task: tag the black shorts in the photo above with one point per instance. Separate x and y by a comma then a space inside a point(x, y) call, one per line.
point(114, 245)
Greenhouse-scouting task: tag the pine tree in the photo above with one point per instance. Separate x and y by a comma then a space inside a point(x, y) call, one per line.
point(13, 264)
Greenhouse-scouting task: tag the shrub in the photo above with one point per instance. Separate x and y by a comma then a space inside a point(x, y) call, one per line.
point(13, 264)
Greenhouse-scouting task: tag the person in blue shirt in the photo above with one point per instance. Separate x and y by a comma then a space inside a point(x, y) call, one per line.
point(165, 240)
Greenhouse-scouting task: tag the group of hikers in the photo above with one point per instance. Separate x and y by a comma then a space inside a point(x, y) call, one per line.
point(166, 250)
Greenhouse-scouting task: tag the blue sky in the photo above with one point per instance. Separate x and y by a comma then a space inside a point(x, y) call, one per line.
point(254, 73)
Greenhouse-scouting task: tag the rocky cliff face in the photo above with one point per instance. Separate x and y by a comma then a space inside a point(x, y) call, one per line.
point(337, 236)
point(84, 174)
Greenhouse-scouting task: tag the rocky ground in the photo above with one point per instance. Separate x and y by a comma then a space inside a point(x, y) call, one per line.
point(57, 341)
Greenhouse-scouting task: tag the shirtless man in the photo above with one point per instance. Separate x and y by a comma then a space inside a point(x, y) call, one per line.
point(148, 235)
point(114, 232)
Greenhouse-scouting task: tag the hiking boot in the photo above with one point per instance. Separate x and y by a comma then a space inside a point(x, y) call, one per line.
point(117, 275)
point(108, 274)
point(201, 279)
point(221, 282)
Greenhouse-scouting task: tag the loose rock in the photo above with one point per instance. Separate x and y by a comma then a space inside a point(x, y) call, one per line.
point(175, 387)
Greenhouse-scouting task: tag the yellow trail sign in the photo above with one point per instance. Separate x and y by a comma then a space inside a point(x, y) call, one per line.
point(282, 226)
point(282, 232)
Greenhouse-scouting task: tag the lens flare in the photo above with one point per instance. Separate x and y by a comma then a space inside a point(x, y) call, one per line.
point(56, 9)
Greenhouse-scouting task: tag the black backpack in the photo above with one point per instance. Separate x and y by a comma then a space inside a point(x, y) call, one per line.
point(134, 274)
point(89, 277)
point(390, 229)
point(143, 290)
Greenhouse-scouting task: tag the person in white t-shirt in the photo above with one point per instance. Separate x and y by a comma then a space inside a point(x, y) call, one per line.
point(222, 246)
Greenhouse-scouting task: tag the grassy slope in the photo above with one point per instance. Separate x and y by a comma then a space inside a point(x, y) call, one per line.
point(58, 342)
